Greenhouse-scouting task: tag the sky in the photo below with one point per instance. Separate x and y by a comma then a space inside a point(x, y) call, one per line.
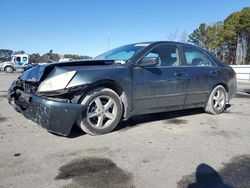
point(84, 27)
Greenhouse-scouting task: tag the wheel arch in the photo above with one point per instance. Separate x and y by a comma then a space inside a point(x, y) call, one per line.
point(8, 66)
point(116, 87)
point(225, 86)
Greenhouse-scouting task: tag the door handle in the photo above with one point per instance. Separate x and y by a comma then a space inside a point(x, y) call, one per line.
point(178, 74)
point(213, 72)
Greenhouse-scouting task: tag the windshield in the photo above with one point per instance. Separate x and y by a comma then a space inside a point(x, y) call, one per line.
point(122, 53)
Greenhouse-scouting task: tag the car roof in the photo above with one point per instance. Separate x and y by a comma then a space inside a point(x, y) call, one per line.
point(153, 43)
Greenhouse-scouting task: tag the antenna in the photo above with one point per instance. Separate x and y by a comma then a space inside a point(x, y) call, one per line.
point(109, 36)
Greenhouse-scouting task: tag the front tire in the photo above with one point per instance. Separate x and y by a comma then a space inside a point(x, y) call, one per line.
point(9, 69)
point(217, 100)
point(103, 113)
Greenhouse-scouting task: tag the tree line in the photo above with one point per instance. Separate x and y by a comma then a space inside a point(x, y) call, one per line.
point(52, 57)
point(5, 55)
point(229, 40)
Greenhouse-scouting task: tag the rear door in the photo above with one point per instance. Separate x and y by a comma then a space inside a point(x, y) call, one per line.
point(162, 86)
point(202, 74)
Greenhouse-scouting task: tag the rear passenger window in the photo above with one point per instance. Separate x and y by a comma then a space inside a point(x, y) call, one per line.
point(195, 57)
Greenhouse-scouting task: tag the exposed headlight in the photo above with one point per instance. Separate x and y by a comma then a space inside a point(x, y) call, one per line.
point(57, 82)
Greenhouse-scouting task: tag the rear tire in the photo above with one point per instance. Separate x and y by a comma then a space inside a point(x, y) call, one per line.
point(103, 111)
point(217, 100)
point(9, 69)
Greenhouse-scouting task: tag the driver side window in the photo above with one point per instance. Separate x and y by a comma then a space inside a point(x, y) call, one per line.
point(152, 55)
point(166, 54)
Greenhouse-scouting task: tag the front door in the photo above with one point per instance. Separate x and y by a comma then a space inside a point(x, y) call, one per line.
point(161, 86)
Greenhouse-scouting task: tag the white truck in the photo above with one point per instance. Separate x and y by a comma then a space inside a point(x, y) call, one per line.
point(18, 62)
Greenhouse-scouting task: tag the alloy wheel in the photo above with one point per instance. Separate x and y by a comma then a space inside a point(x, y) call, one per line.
point(101, 112)
point(219, 99)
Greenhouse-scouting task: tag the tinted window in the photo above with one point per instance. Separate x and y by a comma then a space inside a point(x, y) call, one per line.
point(122, 53)
point(24, 58)
point(18, 59)
point(152, 55)
point(195, 57)
point(167, 53)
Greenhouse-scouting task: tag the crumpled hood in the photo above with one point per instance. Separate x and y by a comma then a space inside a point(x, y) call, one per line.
point(37, 73)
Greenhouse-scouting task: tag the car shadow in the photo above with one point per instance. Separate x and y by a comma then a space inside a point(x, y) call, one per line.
point(243, 93)
point(140, 119)
point(247, 91)
point(76, 132)
point(134, 121)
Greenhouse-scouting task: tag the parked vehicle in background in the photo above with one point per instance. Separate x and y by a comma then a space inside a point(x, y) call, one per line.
point(130, 80)
point(64, 59)
point(18, 62)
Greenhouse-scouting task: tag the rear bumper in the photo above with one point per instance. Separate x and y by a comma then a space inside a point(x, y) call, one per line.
point(232, 87)
point(57, 117)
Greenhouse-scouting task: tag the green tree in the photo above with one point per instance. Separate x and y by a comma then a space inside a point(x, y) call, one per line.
point(198, 37)
point(50, 57)
point(5, 55)
point(35, 58)
point(19, 52)
point(212, 36)
point(244, 21)
point(76, 57)
point(230, 36)
point(244, 31)
point(230, 39)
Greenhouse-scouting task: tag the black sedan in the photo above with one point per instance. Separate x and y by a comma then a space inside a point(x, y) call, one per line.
point(134, 79)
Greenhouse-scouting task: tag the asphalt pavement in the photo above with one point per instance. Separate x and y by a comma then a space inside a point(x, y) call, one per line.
point(183, 149)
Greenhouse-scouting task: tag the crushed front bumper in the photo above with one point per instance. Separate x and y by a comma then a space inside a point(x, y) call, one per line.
point(57, 117)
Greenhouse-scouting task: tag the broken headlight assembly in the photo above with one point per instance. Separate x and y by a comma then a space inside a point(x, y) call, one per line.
point(55, 83)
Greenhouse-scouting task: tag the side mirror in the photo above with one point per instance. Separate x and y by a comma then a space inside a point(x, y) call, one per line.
point(149, 61)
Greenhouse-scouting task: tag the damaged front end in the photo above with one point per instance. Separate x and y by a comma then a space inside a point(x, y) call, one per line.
point(54, 110)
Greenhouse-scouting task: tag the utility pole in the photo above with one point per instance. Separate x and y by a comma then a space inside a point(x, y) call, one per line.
point(109, 36)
